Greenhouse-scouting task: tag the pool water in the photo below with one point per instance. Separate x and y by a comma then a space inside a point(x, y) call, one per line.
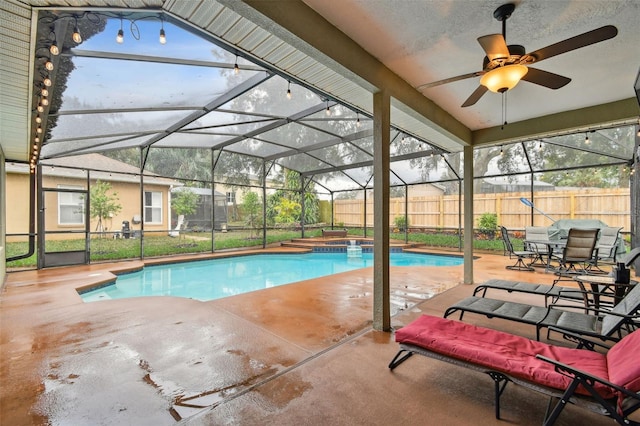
point(218, 278)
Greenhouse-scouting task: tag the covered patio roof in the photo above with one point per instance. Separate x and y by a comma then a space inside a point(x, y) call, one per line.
point(225, 82)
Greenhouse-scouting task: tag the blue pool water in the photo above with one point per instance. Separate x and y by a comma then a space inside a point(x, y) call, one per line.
point(217, 278)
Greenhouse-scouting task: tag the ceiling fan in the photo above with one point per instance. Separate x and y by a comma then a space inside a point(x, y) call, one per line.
point(505, 65)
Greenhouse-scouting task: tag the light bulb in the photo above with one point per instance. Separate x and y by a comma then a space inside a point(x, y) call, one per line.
point(40, 108)
point(48, 65)
point(47, 81)
point(288, 93)
point(54, 48)
point(236, 68)
point(38, 120)
point(120, 36)
point(44, 101)
point(76, 35)
point(163, 37)
point(39, 129)
point(44, 92)
point(358, 124)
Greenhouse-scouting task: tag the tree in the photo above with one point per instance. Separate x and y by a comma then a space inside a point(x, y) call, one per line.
point(102, 203)
point(291, 192)
point(251, 207)
point(184, 203)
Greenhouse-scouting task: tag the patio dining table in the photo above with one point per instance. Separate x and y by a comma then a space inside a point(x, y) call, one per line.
point(553, 250)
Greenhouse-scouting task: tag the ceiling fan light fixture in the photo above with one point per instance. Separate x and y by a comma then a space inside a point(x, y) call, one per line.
point(501, 79)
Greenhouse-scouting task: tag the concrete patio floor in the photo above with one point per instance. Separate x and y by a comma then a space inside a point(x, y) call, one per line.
point(302, 353)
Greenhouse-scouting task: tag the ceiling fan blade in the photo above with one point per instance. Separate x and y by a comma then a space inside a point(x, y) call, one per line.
point(494, 46)
point(475, 96)
point(450, 80)
point(582, 40)
point(545, 78)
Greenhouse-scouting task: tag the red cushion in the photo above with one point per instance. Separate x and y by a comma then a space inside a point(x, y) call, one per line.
point(623, 364)
point(504, 352)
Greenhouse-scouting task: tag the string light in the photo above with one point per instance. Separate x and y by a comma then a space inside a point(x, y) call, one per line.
point(48, 65)
point(586, 139)
point(38, 119)
point(236, 68)
point(40, 108)
point(540, 146)
point(54, 45)
point(47, 81)
point(76, 34)
point(358, 120)
point(120, 36)
point(289, 90)
point(44, 101)
point(163, 36)
point(501, 151)
point(44, 92)
point(328, 111)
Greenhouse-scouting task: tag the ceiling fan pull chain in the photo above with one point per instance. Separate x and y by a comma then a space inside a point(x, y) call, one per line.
point(504, 110)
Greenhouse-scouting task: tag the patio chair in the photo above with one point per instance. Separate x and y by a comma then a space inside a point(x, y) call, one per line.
point(579, 252)
point(520, 265)
point(607, 383)
point(601, 324)
point(607, 246)
point(541, 250)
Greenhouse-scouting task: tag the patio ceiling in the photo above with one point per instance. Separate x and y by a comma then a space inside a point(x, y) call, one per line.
point(186, 94)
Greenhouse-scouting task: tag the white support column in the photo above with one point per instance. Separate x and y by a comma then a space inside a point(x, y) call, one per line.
point(468, 214)
point(381, 148)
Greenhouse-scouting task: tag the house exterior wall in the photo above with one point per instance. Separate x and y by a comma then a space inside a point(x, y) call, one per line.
point(128, 194)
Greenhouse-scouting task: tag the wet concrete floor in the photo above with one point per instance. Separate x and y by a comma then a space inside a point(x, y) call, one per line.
point(303, 353)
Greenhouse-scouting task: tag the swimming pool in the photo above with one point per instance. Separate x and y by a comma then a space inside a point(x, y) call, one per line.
point(217, 278)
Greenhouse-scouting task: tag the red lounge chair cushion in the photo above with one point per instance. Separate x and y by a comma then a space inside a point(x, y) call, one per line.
point(503, 352)
point(622, 360)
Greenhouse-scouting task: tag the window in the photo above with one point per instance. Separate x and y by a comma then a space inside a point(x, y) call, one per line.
point(152, 207)
point(231, 198)
point(70, 206)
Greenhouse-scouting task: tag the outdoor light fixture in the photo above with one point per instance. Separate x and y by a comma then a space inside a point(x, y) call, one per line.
point(76, 33)
point(289, 90)
point(504, 78)
point(163, 37)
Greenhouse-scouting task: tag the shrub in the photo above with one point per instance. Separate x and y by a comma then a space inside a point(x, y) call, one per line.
point(488, 224)
point(400, 222)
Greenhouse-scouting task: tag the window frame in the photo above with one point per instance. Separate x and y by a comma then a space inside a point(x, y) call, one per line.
point(70, 190)
point(153, 208)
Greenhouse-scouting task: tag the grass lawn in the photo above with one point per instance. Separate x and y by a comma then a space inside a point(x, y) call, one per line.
point(160, 244)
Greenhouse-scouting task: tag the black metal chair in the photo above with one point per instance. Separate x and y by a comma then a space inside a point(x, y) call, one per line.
point(520, 255)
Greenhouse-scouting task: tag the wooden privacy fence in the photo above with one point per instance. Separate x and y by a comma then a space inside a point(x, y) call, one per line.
point(611, 206)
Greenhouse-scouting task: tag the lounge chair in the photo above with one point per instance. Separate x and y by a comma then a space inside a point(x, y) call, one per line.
point(601, 324)
point(548, 291)
point(604, 383)
point(519, 255)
